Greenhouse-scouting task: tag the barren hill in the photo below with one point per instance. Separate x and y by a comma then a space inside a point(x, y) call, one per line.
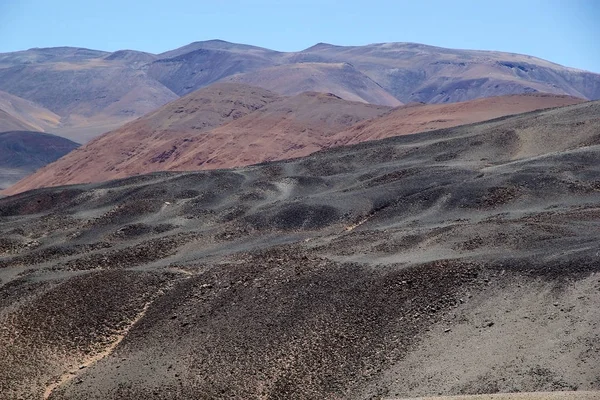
point(290, 127)
point(22, 153)
point(134, 148)
point(452, 262)
point(342, 79)
point(415, 72)
point(256, 126)
point(421, 117)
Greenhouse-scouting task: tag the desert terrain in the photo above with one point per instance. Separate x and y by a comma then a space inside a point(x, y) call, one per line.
point(459, 261)
point(524, 396)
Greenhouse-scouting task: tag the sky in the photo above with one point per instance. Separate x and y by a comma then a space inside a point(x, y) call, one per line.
point(563, 31)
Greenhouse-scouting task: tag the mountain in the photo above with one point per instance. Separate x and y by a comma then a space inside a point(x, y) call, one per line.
point(95, 91)
point(20, 114)
point(200, 64)
point(131, 148)
point(22, 153)
point(222, 45)
point(273, 128)
point(256, 125)
point(291, 127)
point(91, 91)
point(419, 73)
point(451, 262)
point(408, 71)
point(342, 79)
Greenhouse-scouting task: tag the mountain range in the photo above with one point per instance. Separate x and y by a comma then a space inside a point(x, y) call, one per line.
point(221, 220)
point(89, 92)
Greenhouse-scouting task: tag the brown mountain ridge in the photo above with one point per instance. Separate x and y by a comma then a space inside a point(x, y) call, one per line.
point(230, 125)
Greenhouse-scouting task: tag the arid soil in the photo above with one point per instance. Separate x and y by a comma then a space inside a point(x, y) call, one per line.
point(453, 262)
point(231, 125)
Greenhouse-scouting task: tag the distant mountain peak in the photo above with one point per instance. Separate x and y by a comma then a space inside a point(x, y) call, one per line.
point(131, 55)
point(320, 46)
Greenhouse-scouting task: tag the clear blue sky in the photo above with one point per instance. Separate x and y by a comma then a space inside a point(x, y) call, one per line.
point(563, 31)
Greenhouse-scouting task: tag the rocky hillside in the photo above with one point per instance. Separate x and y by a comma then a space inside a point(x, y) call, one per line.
point(456, 261)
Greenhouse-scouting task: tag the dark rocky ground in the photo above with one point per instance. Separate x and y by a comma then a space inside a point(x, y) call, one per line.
point(454, 262)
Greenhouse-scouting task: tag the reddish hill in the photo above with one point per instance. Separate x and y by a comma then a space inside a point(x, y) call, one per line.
point(291, 127)
point(415, 118)
point(279, 128)
point(131, 149)
point(177, 136)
